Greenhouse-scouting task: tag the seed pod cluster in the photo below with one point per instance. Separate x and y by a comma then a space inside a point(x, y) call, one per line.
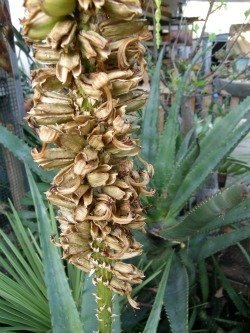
point(85, 98)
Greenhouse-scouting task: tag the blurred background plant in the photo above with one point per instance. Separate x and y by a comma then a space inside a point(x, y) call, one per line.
point(196, 249)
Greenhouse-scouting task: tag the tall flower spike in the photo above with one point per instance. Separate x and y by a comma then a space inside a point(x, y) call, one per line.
point(84, 106)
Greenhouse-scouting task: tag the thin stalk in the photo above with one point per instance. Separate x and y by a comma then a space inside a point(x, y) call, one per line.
point(104, 308)
point(209, 12)
point(103, 293)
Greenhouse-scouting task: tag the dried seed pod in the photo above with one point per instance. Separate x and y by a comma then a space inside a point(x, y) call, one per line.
point(44, 55)
point(47, 134)
point(96, 179)
point(93, 45)
point(118, 29)
point(127, 272)
point(68, 65)
point(124, 9)
point(62, 34)
point(53, 157)
point(114, 192)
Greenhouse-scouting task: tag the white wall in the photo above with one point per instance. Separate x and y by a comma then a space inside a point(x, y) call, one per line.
point(222, 19)
point(17, 12)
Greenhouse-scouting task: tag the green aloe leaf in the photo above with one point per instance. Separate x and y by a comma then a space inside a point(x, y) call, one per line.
point(185, 145)
point(204, 166)
point(76, 282)
point(203, 280)
point(116, 323)
point(22, 151)
point(239, 213)
point(89, 306)
point(205, 155)
point(154, 317)
point(223, 127)
point(65, 317)
point(180, 172)
point(192, 319)
point(166, 155)
point(213, 245)
point(149, 137)
point(176, 297)
point(202, 216)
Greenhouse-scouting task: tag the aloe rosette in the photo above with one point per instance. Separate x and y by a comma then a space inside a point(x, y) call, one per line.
point(85, 99)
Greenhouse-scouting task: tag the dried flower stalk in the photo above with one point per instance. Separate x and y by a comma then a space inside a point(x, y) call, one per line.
point(85, 98)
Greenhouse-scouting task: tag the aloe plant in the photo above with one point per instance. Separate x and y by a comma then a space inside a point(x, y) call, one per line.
point(64, 314)
point(182, 166)
point(21, 150)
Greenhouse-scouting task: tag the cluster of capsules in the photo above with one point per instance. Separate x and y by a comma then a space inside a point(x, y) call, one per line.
point(85, 98)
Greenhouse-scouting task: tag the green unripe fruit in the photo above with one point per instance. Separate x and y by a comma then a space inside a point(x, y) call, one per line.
point(40, 25)
point(58, 8)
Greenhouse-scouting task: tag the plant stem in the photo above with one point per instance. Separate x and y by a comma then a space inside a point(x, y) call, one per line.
point(104, 303)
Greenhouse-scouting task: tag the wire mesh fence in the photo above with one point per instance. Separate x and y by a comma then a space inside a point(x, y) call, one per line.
point(12, 178)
